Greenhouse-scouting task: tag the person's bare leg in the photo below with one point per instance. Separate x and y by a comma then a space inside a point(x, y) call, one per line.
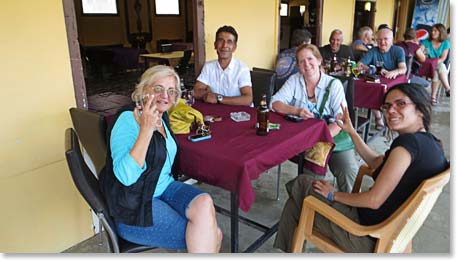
point(435, 86)
point(443, 78)
point(202, 232)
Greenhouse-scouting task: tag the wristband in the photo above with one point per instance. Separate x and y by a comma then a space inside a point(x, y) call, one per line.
point(330, 196)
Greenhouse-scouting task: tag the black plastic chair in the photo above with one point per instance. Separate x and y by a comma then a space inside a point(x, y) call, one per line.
point(184, 64)
point(263, 82)
point(87, 184)
point(91, 130)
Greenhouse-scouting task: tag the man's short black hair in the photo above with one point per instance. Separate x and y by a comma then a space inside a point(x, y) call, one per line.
point(228, 29)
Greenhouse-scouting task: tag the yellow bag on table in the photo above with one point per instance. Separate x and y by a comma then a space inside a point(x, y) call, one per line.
point(182, 117)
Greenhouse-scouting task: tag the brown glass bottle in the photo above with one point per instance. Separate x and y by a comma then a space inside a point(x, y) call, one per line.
point(263, 114)
point(334, 64)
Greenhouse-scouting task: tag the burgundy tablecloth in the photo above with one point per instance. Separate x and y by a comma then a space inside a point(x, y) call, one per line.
point(427, 68)
point(235, 155)
point(370, 95)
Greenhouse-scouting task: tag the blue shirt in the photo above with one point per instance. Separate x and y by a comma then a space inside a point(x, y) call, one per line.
point(286, 64)
point(127, 171)
point(436, 53)
point(394, 56)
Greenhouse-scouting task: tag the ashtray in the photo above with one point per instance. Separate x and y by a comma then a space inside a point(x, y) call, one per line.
point(240, 116)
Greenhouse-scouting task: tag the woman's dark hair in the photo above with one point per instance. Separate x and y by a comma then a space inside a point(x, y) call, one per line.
point(442, 29)
point(227, 29)
point(419, 97)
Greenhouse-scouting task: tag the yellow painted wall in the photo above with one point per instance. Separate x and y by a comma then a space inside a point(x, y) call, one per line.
point(338, 14)
point(384, 13)
point(41, 211)
point(256, 22)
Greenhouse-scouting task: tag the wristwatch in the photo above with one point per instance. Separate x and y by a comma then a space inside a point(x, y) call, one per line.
point(219, 98)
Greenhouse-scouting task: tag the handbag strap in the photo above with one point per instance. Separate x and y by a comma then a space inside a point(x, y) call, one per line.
point(324, 100)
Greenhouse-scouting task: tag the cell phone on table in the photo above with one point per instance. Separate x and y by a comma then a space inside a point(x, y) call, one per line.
point(294, 118)
point(198, 138)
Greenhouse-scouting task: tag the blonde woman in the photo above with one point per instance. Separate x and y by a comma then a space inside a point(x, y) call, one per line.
point(148, 205)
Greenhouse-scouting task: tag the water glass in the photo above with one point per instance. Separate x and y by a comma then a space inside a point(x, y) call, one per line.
point(379, 66)
point(190, 99)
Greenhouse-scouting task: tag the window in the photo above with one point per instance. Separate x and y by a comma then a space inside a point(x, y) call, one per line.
point(167, 7)
point(99, 7)
point(283, 10)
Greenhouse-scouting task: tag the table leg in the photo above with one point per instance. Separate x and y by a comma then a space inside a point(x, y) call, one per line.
point(301, 163)
point(146, 63)
point(234, 221)
point(235, 218)
point(366, 133)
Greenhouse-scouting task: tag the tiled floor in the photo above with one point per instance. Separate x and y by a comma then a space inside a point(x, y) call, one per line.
point(433, 237)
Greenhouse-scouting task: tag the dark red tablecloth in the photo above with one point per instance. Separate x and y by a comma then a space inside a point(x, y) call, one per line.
point(370, 95)
point(235, 155)
point(427, 68)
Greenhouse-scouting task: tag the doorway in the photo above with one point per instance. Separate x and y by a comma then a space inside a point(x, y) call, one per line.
point(195, 7)
point(295, 14)
point(364, 15)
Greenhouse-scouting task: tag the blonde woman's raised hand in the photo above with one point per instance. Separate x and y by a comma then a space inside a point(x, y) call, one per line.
point(150, 118)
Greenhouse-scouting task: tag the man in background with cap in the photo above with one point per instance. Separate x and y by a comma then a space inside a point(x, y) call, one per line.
point(286, 64)
point(412, 48)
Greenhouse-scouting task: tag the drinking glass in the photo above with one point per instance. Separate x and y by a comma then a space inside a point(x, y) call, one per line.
point(190, 99)
point(426, 52)
point(379, 66)
point(140, 100)
point(356, 71)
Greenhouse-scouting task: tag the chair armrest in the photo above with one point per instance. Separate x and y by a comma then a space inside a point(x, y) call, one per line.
point(363, 170)
point(312, 204)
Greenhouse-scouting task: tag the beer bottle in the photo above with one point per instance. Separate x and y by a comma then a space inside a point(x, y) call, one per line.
point(334, 64)
point(348, 67)
point(262, 116)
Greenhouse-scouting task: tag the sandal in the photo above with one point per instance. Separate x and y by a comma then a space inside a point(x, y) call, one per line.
point(448, 93)
point(434, 102)
point(379, 123)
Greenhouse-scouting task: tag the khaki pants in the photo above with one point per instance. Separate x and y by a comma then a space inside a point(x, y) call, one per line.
point(298, 189)
point(343, 166)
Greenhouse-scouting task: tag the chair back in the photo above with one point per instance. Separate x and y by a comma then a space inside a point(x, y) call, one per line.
point(88, 186)
point(409, 65)
point(85, 181)
point(91, 130)
point(184, 62)
point(412, 214)
point(263, 82)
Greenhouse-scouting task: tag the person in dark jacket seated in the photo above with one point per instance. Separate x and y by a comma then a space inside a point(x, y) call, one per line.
point(336, 48)
point(286, 63)
point(414, 156)
point(148, 205)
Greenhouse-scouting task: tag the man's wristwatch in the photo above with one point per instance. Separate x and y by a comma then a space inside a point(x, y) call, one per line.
point(219, 98)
